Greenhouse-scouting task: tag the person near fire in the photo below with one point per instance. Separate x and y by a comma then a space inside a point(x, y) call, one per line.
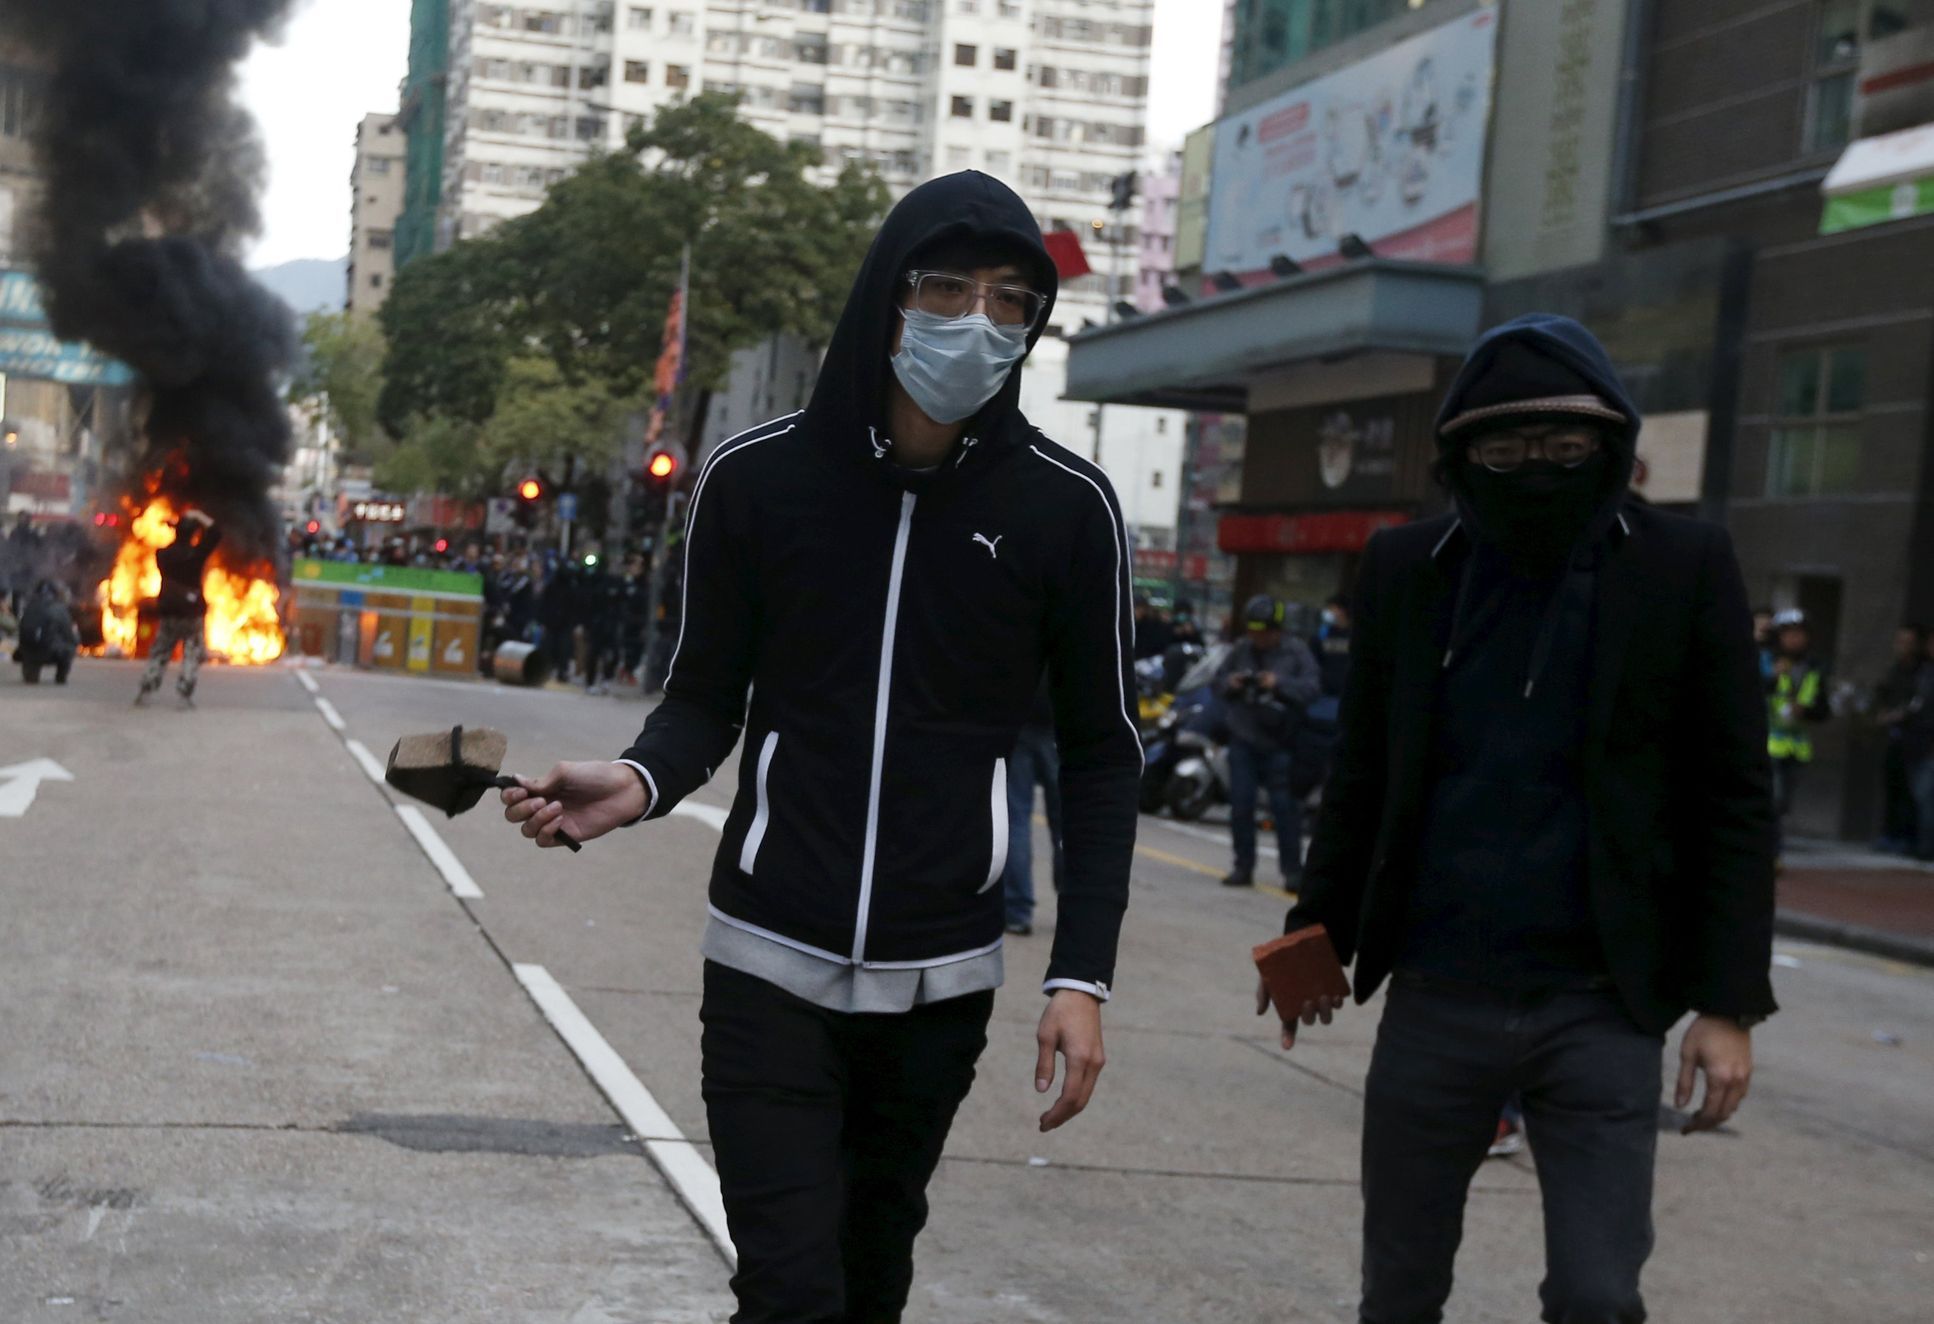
point(889, 573)
point(1549, 827)
point(181, 609)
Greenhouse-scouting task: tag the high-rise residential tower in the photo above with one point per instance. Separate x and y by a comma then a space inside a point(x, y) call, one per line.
point(376, 202)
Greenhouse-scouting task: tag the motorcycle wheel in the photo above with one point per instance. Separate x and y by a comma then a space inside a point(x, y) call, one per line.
point(1189, 798)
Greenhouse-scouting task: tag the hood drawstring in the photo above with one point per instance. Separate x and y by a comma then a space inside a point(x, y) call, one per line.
point(1575, 585)
point(880, 448)
point(966, 444)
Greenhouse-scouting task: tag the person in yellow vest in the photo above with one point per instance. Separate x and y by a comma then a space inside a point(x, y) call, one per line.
point(1796, 696)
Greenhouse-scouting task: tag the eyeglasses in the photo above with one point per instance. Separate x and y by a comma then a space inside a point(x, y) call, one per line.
point(1565, 446)
point(949, 294)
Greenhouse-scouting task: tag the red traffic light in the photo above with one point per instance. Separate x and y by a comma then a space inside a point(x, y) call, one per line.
point(662, 465)
point(530, 489)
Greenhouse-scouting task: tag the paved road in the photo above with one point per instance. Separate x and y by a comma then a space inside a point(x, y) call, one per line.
point(259, 1063)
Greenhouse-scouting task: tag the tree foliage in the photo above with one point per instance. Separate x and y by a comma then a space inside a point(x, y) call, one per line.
point(542, 334)
point(341, 368)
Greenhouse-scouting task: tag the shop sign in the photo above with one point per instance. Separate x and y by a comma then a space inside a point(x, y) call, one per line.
point(1671, 467)
point(1304, 535)
point(28, 349)
point(378, 512)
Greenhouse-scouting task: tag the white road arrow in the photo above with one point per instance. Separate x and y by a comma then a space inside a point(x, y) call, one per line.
point(20, 781)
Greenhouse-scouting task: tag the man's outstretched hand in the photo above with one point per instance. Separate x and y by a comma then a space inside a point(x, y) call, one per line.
point(1309, 1012)
point(1071, 1026)
point(1717, 1046)
point(585, 800)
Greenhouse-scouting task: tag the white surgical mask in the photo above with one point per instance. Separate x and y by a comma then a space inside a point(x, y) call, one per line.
point(951, 366)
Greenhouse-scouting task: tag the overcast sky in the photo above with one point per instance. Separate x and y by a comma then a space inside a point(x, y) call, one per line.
point(341, 59)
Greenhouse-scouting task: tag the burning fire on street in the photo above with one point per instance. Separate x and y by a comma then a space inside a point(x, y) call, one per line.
point(244, 617)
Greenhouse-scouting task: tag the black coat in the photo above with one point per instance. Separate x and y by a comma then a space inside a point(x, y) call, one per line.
point(1680, 855)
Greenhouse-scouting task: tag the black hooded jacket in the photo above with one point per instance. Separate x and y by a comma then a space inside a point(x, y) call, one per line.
point(1668, 752)
point(892, 628)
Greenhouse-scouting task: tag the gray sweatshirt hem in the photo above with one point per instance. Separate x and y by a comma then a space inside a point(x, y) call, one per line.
point(839, 986)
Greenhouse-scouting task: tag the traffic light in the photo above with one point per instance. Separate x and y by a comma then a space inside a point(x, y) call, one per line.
point(661, 470)
point(531, 490)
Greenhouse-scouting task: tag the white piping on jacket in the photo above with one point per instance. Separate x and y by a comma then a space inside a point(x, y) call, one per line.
point(756, 834)
point(836, 959)
point(880, 703)
point(1121, 557)
point(730, 446)
point(997, 816)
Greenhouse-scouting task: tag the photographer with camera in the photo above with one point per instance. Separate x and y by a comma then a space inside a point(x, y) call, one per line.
point(1266, 682)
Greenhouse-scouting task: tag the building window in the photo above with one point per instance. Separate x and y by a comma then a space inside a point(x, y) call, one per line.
point(380, 238)
point(1000, 162)
point(679, 23)
point(1005, 59)
point(376, 280)
point(1001, 112)
point(1815, 444)
point(966, 55)
point(638, 18)
point(959, 158)
point(377, 165)
point(1844, 26)
point(678, 77)
point(963, 108)
point(637, 71)
point(1154, 477)
point(1161, 424)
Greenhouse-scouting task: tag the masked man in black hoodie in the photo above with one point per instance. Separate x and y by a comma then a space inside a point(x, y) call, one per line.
point(890, 572)
point(1550, 826)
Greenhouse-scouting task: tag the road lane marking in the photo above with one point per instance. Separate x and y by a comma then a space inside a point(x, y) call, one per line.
point(308, 682)
point(445, 860)
point(691, 1177)
point(1206, 834)
point(710, 815)
point(330, 715)
point(20, 783)
point(371, 768)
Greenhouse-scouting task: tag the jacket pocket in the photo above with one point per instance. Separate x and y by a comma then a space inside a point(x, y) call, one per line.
point(762, 814)
point(997, 816)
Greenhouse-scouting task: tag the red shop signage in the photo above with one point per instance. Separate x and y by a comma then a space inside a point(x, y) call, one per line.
point(1329, 531)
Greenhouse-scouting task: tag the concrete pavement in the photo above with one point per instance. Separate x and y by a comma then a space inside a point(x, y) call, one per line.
point(446, 1126)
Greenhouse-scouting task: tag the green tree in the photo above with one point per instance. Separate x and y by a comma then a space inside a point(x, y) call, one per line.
point(342, 369)
point(581, 286)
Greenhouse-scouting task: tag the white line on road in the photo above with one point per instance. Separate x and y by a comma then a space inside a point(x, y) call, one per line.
point(370, 766)
point(330, 715)
point(710, 815)
point(445, 860)
point(308, 682)
point(682, 1165)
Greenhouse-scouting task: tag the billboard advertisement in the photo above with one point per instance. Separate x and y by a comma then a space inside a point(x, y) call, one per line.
point(1390, 149)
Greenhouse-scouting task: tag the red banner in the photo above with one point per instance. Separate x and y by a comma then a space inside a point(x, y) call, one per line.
point(1303, 535)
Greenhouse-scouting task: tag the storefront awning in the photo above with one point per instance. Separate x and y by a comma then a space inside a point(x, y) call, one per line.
point(1876, 180)
point(1208, 354)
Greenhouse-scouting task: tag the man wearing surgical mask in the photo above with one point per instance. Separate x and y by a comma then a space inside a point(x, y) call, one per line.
point(888, 574)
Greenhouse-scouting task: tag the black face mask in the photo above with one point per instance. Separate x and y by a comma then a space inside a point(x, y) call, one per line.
point(1537, 513)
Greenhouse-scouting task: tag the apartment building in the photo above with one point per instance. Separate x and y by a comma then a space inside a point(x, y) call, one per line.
point(376, 202)
point(21, 80)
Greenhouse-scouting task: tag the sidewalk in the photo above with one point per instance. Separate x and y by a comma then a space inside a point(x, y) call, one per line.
point(1834, 893)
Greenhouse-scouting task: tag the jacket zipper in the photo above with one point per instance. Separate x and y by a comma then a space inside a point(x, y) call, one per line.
point(894, 581)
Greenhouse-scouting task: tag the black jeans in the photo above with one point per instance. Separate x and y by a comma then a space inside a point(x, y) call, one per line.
point(826, 1127)
point(1446, 1060)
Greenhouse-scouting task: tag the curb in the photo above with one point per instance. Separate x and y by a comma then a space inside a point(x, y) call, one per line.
point(1855, 937)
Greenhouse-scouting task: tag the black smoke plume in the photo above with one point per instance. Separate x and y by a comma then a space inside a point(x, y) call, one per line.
point(152, 174)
